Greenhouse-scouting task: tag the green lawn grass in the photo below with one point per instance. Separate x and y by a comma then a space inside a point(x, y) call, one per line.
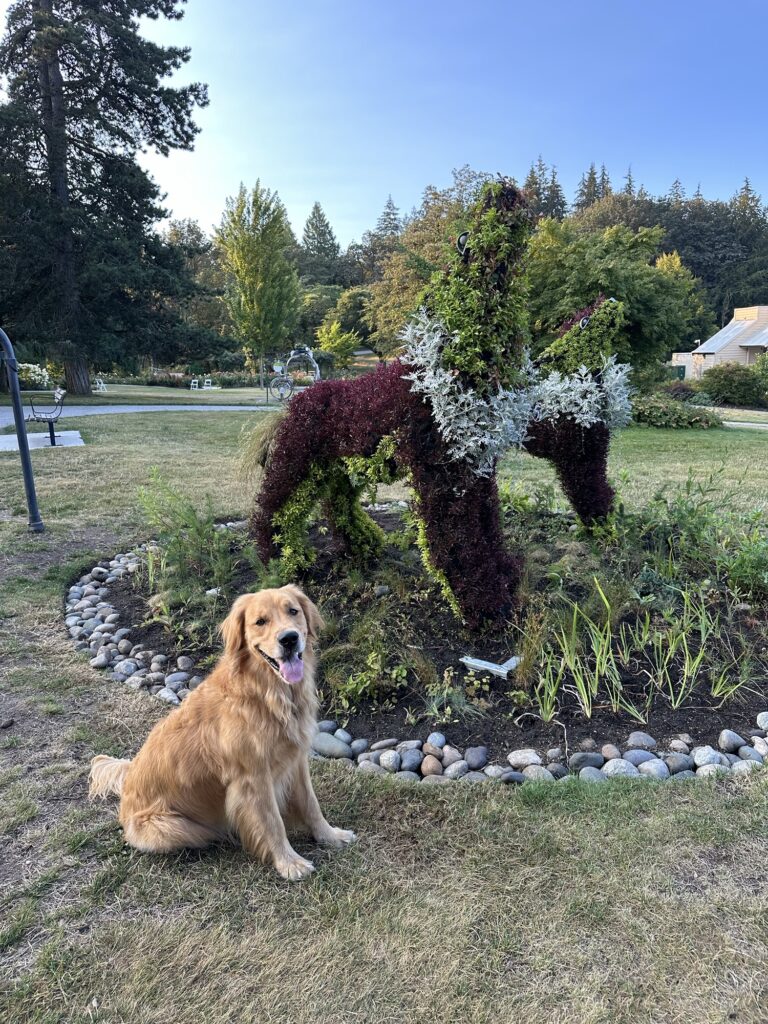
point(602, 905)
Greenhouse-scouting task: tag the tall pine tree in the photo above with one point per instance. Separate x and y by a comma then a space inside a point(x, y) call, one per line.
point(389, 224)
point(320, 253)
point(85, 93)
point(588, 191)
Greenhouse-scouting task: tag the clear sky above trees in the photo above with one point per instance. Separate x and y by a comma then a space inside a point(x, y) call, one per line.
point(344, 103)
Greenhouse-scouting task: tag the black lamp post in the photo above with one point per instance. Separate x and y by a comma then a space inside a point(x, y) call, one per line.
point(35, 522)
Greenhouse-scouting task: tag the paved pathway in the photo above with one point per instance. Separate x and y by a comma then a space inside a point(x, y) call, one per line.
point(6, 412)
point(738, 425)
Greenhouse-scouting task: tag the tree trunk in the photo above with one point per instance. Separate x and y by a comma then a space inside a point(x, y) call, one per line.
point(53, 109)
point(76, 376)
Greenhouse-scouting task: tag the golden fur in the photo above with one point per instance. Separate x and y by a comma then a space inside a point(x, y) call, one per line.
point(233, 758)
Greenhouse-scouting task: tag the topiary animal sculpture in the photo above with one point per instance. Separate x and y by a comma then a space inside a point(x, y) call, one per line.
point(439, 417)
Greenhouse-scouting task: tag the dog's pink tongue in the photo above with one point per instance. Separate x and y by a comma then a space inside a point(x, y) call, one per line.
point(292, 670)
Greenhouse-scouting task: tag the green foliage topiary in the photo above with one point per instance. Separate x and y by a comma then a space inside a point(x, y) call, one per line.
point(590, 341)
point(481, 295)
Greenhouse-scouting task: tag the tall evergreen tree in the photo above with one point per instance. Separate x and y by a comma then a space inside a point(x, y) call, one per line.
point(629, 183)
point(85, 93)
point(604, 183)
point(554, 203)
point(262, 287)
point(389, 224)
point(588, 191)
point(319, 252)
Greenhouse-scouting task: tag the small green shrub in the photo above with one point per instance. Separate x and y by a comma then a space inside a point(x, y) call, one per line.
point(734, 384)
point(666, 413)
point(680, 390)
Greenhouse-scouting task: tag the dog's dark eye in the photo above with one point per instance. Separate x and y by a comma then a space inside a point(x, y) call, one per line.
point(293, 611)
point(260, 622)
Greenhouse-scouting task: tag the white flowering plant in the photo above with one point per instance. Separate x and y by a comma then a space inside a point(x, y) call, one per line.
point(33, 377)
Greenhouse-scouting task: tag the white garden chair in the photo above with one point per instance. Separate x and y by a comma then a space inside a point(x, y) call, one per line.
point(99, 386)
point(194, 385)
point(207, 384)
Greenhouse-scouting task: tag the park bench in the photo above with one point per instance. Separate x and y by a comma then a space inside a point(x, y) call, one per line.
point(49, 416)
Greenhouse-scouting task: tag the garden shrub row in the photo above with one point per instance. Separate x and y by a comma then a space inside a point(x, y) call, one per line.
point(669, 414)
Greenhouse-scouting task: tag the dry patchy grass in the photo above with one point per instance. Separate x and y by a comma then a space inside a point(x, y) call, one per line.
point(616, 904)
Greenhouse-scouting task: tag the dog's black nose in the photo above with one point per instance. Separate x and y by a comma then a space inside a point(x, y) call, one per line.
point(289, 639)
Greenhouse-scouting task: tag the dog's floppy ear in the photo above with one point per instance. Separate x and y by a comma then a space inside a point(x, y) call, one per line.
point(233, 627)
point(311, 614)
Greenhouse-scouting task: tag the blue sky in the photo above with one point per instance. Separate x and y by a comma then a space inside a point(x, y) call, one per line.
point(346, 102)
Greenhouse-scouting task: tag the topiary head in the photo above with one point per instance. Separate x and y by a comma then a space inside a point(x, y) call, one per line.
point(480, 296)
point(588, 337)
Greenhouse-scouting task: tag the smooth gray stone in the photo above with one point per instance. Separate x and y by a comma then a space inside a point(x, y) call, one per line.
point(410, 760)
point(456, 770)
point(747, 753)
point(390, 759)
point(408, 745)
point(177, 677)
point(513, 777)
point(475, 777)
point(476, 758)
point(655, 769)
point(679, 763)
point(705, 755)
point(679, 747)
point(522, 758)
point(327, 745)
point(433, 779)
point(730, 741)
point(760, 745)
point(343, 735)
point(495, 771)
point(556, 770)
point(371, 768)
point(685, 774)
point(762, 720)
point(184, 664)
point(451, 755)
point(585, 759)
point(406, 776)
point(591, 774)
point(554, 754)
point(731, 758)
point(164, 693)
point(640, 739)
point(358, 746)
point(385, 744)
point(620, 766)
point(100, 661)
point(636, 756)
point(437, 739)
point(537, 773)
point(327, 725)
point(369, 755)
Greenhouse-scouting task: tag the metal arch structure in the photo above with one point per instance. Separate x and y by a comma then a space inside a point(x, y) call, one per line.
point(9, 357)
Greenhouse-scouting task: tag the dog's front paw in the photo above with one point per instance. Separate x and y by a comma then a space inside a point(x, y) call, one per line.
point(338, 837)
point(294, 868)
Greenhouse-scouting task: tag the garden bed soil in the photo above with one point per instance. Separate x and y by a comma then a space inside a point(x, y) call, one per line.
point(414, 620)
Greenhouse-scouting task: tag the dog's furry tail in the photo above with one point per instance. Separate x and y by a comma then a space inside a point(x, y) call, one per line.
point(107, 776)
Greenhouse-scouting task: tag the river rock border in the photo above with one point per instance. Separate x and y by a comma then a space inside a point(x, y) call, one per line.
point(94, 626)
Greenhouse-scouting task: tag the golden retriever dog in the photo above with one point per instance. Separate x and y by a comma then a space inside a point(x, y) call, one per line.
point(233, 758)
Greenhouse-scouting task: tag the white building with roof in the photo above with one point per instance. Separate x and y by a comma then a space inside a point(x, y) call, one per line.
point(741, 341)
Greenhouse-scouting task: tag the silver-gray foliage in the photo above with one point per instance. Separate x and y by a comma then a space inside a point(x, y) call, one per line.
point(478, 429)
